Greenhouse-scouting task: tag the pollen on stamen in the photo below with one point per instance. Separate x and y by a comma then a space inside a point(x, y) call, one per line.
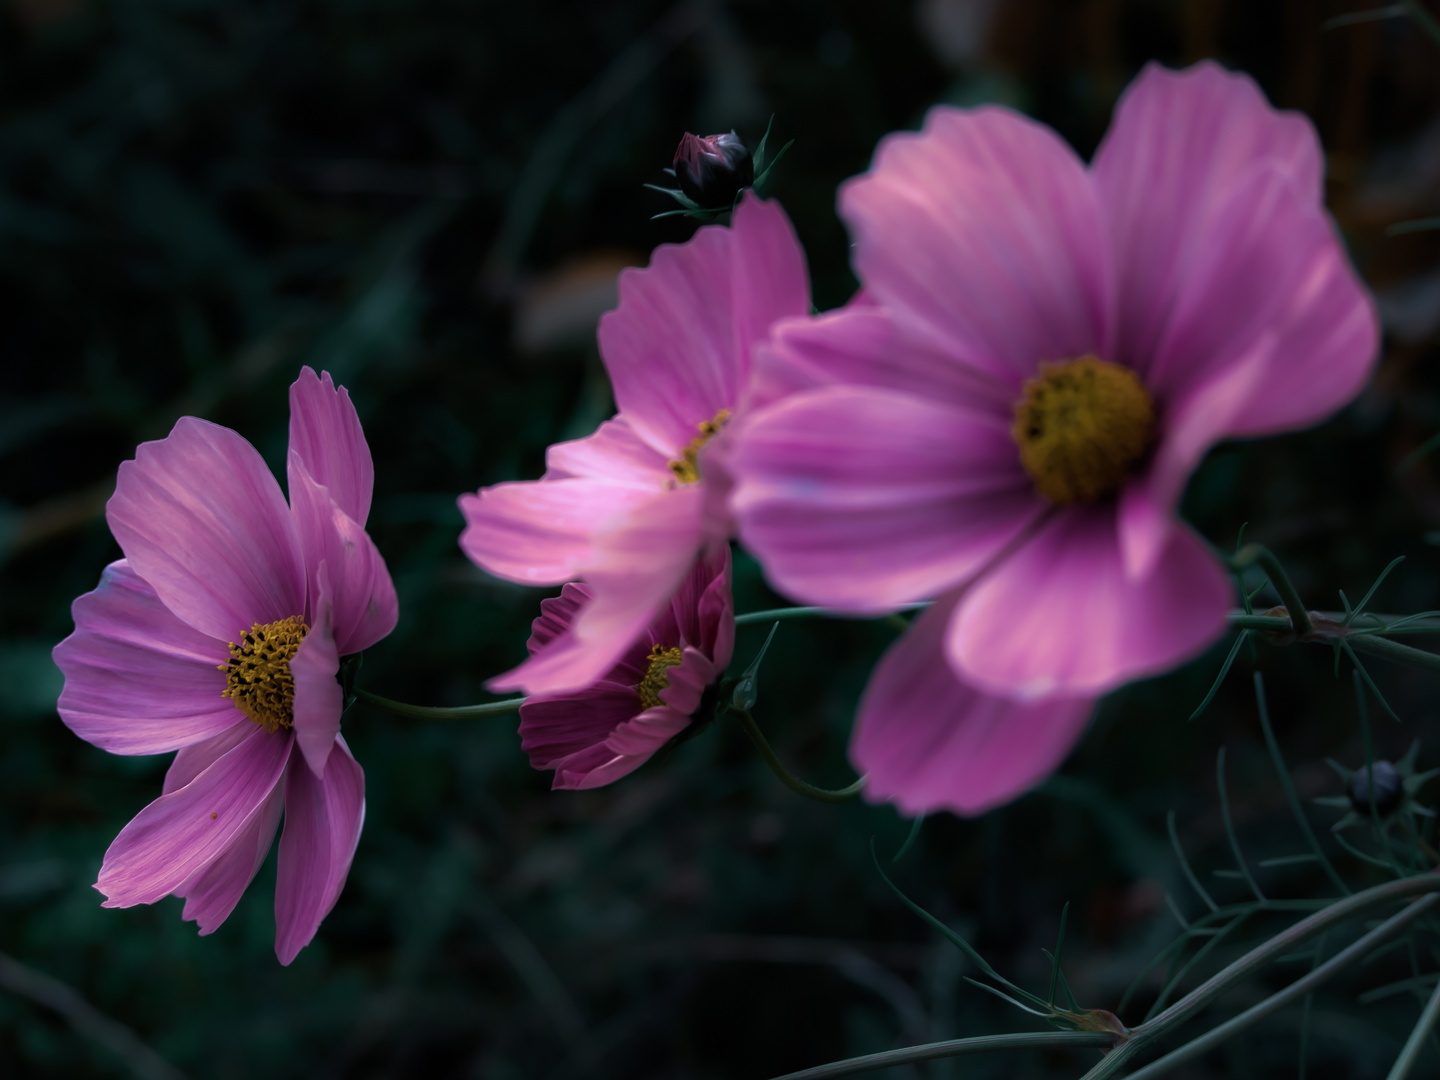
point(657, 674)
point(687, 466)
point(257, 676)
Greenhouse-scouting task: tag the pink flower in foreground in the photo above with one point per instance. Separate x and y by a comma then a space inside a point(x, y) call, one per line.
point(220, 635)
point(1007, 421)
point(594, 736)
point(629, 508)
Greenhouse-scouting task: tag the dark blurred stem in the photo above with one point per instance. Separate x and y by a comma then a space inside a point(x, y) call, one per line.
point(981, 1044)
point(1421, 15)
point(1413, 1045)
point(1252, 554)
point(427, 712)
point(816, 613)
point(789, 779)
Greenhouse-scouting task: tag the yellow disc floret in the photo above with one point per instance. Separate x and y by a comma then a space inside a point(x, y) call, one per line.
point(258, 675)
point(656, 677)
point(687, 466)
point(1082, 428)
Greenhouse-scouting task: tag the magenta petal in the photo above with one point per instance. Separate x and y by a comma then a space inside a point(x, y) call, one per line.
point(325, 432)
point(194, 759)
point(539, 532)
point(365, 606)
point(983, 235)
point(864, 498)
point(678, 346)
point(179, 833)
point(1179, 144)
point(137, 679)
point(1059, 617)
point(319, 700)
point(202, 520)
point(556, 727)
point(613, 453)
point(628, 747)
point(213, 891)
point(640, 559)
point(688, 680)
point(323, 819)
point(926, 742)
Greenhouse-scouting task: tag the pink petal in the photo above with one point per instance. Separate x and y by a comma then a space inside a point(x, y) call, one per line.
point(554, 727)
point(179, 833)
point(983, 235)
point(194, 759)
point(319, 700)
point(715, 612)
point(325, 432)
point(1059, 617)
point(213, 891)
point(640, 558)
point(613, 453)
point(1178, 147)
point(925, 741)
point(365, 606)
point(631, 745)
point(863, 498)
point(556, 615)
point(688, 680)
point(137, 679)
point(540, 532)
point(202, 520)
point(323, 819)
point(678, 347)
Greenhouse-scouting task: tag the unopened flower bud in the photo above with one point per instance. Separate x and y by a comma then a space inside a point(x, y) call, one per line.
point(713, 170)
point(1389, 788)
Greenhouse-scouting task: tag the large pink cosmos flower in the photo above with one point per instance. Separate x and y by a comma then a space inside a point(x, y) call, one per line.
point(629, 508)
point(1007, 419)
point(220, 635)
point(594, 736)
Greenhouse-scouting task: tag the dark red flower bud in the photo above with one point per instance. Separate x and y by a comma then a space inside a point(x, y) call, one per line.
point(1389, 788)
point(713, 170)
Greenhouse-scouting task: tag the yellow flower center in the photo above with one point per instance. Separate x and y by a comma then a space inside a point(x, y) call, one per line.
point(257, 677)
point(661, 661)
point(1082, 427)
point(687, 466)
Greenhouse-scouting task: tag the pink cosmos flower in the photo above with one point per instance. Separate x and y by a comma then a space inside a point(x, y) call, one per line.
point(629, 508)
point(594, 736)
point(1007, 420)
point(220, 635)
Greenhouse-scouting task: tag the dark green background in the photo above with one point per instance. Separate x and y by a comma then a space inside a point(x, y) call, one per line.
point(198, 197)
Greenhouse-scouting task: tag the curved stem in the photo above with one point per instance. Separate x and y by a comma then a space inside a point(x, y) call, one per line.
point(789, 779)
point(782, 613)
point(1408, 1056)
point(427, 712)
point(1393, 650)
point(1252, 554)
point(953, 1048)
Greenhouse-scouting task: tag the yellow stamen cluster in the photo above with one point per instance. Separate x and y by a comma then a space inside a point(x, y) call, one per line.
point(1082, 428)
point(258, 675)
point(687, 466)
point(656, 677)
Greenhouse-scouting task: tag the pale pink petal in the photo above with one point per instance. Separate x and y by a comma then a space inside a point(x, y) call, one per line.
point(202, 520)
point(323, 819)
point(639, 559)
point(1177, 148)
point(1059, 617)
point(715, 610)
point(926, 742)
point(983, 235)
point(319, 700)
point(179, 833)
point(556, 614)
point(678, 346)
point(614, 453)
point(137, 679)
point(688, 680)
point(194, 759)
point(863, 498)
point(325, 432)
point(212, 892)
point(539, 532)
point(365, 606)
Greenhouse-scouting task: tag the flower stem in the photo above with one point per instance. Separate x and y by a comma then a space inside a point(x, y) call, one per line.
point(1408, 1056)
point(427, 712)
point(789, 779)
point(953, 1048)
point(817, 613)
point(1250, 555)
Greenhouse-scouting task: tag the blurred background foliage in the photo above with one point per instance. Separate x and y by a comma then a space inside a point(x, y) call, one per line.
point(431, 199)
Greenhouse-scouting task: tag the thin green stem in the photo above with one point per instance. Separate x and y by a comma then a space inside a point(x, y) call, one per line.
point(1413, 1045)
point(427, 712)
point(1394, 651)
point(1421, 15)
point(789, 779)
point(1039, 1040)
point(815, 613)
point(1230, 827)
point(1257, 554)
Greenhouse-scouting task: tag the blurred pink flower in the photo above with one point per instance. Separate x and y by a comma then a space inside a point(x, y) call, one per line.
point(629, 508)
point(220, 635)
point(594, 736)
point(1007, 419)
